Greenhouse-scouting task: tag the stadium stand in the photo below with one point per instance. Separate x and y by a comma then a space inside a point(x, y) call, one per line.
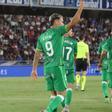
point(19, 34)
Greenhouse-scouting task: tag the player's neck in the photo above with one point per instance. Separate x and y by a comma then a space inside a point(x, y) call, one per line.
point(55, 25)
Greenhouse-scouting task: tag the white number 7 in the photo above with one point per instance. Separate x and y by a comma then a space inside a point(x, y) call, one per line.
point(68, 53)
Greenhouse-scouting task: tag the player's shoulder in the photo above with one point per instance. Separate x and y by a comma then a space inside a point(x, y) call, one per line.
point(86, 44)
point(71, 39)
point(47, 32)
point(108, 42)
point(55, 30)
point(74, 40)
point(101, 43)
point(58, 27)
point(67, 40)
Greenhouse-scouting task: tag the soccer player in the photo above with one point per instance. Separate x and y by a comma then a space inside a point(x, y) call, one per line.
point(70, 51)
point(50, 43)
point(107, 51)
point(104, 74)
point(82, 61)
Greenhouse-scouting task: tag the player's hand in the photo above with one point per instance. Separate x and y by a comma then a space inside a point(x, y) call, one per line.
point(34, 75)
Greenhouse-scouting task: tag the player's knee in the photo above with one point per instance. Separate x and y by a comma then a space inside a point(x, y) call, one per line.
point(62, 93)
point(53, 93)
point(84, 73)
point(110, 84)
point(52, 97)
point(104, 82)
point(77, 73)
point(61, 96)
point(69, 89)
point(70, 86)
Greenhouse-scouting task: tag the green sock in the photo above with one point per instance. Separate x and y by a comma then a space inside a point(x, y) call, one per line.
point(68, 97)
point(105, 88)
point(51, 99)
point(55, 103)
point(63, 103)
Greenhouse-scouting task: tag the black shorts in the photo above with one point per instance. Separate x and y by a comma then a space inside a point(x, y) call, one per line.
point(81, 65)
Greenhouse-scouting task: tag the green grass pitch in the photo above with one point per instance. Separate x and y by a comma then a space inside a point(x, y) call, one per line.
point(27, 95)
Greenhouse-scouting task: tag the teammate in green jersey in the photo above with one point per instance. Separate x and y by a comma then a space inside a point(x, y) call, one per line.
point(107, 51)
point(50, 44)
point(70, 51)
point(104, 73)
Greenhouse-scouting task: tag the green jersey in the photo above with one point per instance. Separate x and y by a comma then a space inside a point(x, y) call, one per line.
point(70, 50)
point(51, 44)
point(100, 49)
point(108, 47)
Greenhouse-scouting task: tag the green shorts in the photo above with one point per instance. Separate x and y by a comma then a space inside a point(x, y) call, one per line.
point(104, 75)
point(55, 78)
point(70, 75)
point(110, 73)
point(110, 79)
point(110, 66)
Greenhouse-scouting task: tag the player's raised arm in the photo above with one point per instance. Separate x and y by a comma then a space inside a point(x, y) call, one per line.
point(35, 64)
point(76, 17)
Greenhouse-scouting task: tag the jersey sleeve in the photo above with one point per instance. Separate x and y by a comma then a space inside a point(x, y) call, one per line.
point(62, 29)
point(105, 47)
point(39, 46)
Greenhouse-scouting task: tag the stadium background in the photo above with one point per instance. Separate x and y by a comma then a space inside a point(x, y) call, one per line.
point(22, 21)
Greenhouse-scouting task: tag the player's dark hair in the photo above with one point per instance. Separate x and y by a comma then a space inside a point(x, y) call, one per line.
point(53, 17)
point(81, 37)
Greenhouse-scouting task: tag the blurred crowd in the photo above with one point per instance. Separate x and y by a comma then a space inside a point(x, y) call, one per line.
point(19, 34)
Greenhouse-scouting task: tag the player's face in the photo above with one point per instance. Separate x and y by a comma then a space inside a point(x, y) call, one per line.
point(60, 21)
point(71, 33)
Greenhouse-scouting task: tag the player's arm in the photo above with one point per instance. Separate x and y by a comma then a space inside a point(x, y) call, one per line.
point(37, 56)
point(76, 17)
point(103, 54)
point(88, 58)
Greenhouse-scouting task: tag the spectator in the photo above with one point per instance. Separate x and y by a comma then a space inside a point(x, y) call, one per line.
point(19, 34)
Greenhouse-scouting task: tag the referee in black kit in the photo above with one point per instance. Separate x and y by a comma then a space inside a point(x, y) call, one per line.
point(82, 62)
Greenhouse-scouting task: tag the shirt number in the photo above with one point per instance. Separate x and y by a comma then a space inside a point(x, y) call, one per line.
point(69, 50)
point(49, 48)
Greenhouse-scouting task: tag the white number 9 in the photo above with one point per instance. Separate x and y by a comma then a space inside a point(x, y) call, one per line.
point(49, 48)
